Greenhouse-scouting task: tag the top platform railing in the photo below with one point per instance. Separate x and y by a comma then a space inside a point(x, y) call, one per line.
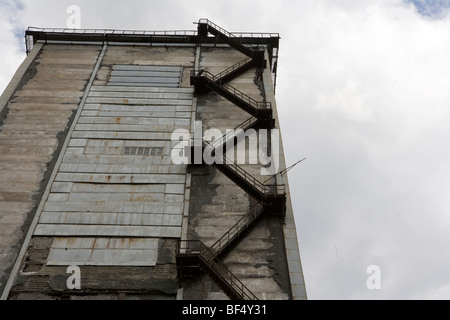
point(147, 32)
point(33, 34)
point(115, 32)
point(240, 34)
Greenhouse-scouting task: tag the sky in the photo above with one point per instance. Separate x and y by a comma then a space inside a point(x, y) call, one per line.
point(362, 93)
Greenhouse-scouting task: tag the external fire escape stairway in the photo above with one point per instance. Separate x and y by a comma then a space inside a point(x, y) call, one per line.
point(259, 109)
point(271, 195)
point(234, 235)
point(226, 75)
point(205, 26)
point(204, 81)
point(235, 70)
point(229, 137)
point(192, 255)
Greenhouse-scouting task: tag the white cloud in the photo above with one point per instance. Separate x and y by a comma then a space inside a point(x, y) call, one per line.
point(370, 113)
point(11, 39)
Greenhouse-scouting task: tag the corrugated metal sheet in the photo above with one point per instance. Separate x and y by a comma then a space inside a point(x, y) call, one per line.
point(145, 76)
point(117, 179)
point(103, 251)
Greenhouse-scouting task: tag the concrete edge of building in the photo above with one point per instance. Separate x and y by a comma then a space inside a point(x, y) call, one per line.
point(26, 241)
point(298, 287)
point(18, 76)
point(9, 92)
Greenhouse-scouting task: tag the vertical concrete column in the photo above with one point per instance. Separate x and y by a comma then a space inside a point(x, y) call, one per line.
point(187, 193)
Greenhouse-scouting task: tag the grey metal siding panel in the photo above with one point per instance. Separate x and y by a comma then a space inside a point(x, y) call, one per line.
point(103, 251)
point(129, 67)
point(145, 76)
point(107, 230)
point(143, 84)
point(138, 89)
point(152, 74)
point(141, 79)
point(102, 189)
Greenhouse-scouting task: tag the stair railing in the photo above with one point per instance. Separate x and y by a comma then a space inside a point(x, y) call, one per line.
point(226, 33)
point(238, 228)
point(232, 90)
point(234, 67)
point(221, 273)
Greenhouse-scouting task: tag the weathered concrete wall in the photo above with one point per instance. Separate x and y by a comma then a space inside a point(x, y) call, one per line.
point(118, 216)
point(217, 203)
point(41, 281)
point(166, 56)
point(33, 125)
point(116, 204)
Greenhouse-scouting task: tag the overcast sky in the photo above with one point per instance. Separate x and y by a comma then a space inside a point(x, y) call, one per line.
point(362, 93)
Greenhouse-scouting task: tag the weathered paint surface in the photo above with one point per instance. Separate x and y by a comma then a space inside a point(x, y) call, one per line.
point(109, 208)
point(32, 123)
point(109, 193)
point(118, 213)
point(259, 259)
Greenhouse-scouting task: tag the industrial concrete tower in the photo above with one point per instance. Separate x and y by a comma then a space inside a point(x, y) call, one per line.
point(145, 165)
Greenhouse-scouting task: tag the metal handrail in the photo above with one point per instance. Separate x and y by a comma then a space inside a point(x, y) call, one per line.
point(233, 68)
point(226, 275)
point(232, 90)
point(215, 26)
point(256, 34)
point(114, 31)
point(197, 247)
point(208, 255)
point(264, 189)
point(237, 229)
point(228, 34)
point(231, 134)
point(160, 32)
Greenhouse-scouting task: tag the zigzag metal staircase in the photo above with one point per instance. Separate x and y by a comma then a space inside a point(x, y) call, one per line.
point(203, 80)
point(193, 256)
